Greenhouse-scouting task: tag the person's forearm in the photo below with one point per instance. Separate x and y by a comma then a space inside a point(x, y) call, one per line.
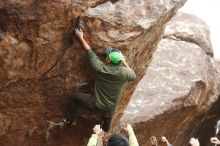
point(99, 142)
point(125, 63)
point(93, 140)
point(85, 44)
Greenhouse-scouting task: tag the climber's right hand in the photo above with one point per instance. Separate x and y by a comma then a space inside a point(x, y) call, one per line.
point(79, 33)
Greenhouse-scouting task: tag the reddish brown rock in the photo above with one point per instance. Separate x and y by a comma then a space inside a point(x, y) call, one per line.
point(39, 61)
point(179, 86)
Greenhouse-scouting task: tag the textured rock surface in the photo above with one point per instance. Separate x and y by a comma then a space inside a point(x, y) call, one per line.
point(39, 62)
point(190, 29)
point(179, 86)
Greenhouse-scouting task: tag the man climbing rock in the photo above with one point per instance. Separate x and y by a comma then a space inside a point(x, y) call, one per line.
point(110, 78)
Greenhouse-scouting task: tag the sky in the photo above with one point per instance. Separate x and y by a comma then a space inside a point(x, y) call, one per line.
point(208, 11)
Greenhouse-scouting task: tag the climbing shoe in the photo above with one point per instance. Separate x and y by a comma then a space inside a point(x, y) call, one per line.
point(56, 124)
point(70, 123)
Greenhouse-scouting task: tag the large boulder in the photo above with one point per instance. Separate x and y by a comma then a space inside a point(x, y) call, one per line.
point(179, 86)
point(40, 63)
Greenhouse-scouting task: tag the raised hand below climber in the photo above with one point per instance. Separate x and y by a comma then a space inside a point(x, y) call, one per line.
point(194, 142)
point(115, 139)
point(164, 139)
point(215, 140)
point(111, 75)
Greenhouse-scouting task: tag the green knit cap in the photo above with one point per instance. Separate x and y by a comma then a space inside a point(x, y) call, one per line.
point(115, 57)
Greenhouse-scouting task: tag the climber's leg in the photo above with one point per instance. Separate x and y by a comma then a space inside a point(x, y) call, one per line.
point(106, 123)
point(106, 118)
point(76, 99)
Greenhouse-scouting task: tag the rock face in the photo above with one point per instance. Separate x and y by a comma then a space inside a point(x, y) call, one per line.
point(179, 87)
point(39, 60)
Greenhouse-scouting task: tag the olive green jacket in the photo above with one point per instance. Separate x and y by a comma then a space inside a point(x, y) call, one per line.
point(109, 81)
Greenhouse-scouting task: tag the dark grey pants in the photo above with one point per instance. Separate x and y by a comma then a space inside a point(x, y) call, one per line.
point(87, 101)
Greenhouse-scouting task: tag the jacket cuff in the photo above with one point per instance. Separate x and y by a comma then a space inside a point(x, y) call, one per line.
point(95, 136)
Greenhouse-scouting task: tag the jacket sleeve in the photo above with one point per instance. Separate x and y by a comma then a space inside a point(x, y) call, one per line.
point(93, 140)
point(99, 142)
point(130, 74)
point(94, 61)
point(132, 139)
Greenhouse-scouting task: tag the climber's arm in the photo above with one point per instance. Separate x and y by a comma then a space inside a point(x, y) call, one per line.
point(79, 33)
point(130, 74)
point(125, 63)
point(94, 60)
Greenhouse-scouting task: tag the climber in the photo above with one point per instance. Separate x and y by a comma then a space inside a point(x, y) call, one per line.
point(110, 78)
point(114, 140)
